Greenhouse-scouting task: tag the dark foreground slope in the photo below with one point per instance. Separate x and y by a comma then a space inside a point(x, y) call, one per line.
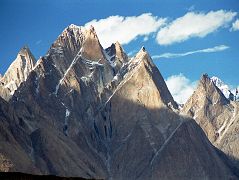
point(22, 176)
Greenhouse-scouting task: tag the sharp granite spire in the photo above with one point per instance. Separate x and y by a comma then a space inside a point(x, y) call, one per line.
point(17, 73)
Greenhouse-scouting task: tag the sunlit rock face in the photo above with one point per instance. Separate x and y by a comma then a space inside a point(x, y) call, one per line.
point(16, 73)
point(94, 113)
point(217, 116)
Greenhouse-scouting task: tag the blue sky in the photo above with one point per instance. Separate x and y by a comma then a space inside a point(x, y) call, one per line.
point(38, 23)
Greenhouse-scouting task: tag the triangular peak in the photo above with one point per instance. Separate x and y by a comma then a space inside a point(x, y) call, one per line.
point(24, 59)
point(116, 50)
point(18, 71)
point(144, 61)
point(143, 55)
point(91, 47)
point(209, 86)
point(119, 51)
point(206, 93)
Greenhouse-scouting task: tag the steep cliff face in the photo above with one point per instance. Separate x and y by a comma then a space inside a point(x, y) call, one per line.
point(16, 73)
point(15, 146)
point(216, 115)
point(94, 113)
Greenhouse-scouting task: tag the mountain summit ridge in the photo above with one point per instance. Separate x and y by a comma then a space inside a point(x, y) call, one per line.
point(91, 112)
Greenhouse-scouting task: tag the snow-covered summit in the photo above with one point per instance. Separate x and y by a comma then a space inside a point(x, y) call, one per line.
point(221, 85)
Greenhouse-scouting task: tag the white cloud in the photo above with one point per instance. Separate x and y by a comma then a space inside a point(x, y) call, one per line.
point(235, 25)
point(125, 29)
point(193, 24)
point(180, 87)
point(207, 50)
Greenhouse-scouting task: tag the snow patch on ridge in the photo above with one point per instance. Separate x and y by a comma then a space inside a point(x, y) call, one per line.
point(108, 57)
point(37, 84)
point(226, 126)
point(67, 114)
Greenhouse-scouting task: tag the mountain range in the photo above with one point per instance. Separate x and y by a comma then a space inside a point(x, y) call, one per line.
point(85, 111)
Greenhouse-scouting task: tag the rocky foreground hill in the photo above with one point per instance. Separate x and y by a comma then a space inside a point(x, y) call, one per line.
point(85, 111)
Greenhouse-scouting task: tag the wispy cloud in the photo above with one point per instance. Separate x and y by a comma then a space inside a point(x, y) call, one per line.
point(38, 42)
point(235, 26)
point(131, 53)
point(125, 29)
point(191, 8)
point(180, 87)
point(193, 24)
point(176, 55)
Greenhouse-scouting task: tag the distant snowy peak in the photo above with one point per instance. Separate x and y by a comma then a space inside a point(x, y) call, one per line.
point(221, 85)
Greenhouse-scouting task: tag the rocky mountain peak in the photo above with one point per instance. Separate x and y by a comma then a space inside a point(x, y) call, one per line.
point(119, 51)
point(92, 48)
point(116, 54)
point(92, 29)
point(143, 54)
point(143, 48)
point(17, 72)
point(216, 115)
point(206, 93)
point(68, 42)
point(148, 67)
point(78, 38)
point(210, 90)
point(104, 116)
point(206, 106)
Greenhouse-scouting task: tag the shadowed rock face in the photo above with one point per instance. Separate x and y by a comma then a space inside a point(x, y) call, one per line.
point(83, 118)
point(16, 73)
point(15, 146)
point(116, 56)
point(22, 176)
point(217, 116)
